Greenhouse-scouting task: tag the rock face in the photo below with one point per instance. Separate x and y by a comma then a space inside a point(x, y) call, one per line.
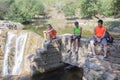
point(15, 45)
point(94, 68)
point(47, 58)
point(35, 56)
point(10, 25)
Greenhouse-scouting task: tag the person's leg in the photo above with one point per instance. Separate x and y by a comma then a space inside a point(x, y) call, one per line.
point(69, 43)
point(45, 34)
point(77, 41)
point(77, 45)
point(92, 45)
point(49, 38)
point(104, 43)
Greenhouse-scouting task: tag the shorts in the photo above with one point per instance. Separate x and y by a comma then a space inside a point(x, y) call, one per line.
point(76, 37)
point(103, 41)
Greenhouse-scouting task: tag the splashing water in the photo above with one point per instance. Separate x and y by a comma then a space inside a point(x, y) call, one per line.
point(18, 58)
point(7, 51)
point(19, 45)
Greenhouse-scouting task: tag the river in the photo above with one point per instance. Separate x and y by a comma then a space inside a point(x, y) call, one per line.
point(62, 73)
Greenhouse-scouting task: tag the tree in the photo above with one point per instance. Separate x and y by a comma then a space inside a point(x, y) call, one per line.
point(116, 6)
point(69, 10)
point(89, 8)
point(106, 7)
point(24, 10)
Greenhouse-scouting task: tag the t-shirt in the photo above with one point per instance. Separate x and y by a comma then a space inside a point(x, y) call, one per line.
point(53, 33)
point(99, 31)
point(77, 31)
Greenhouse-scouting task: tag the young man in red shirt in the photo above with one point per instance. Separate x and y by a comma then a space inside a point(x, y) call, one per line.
point(99, 36)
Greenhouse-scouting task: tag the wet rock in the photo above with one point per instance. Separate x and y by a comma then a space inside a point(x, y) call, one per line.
point(32, 43)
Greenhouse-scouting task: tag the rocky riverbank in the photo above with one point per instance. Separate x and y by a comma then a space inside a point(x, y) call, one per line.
point(94, 68)
point(42, 58)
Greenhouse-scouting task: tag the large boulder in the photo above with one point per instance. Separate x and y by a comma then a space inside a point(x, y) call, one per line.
point(15, 45)
point(47, 58)
point(5, 25)
point(95, 68)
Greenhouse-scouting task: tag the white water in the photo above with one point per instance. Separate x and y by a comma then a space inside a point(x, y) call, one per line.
point(10, 37)
point(19, 46)
point(18, 58)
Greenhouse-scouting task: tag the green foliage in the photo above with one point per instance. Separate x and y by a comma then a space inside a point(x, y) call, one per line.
point(69, 10)
point(107, 8)
point(89, 8)
point(112, 24)
point(38, 30)
point(3, 9)
point(24, 10)
point(116, 6)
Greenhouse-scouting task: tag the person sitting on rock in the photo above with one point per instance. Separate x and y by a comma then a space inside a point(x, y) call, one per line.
point(99, 36)
point(75, 37)
point(50, 33)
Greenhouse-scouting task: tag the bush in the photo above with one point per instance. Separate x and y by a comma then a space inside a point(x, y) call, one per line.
point(69, 11)
point(89, 8)
point(106, 8)
point(24, 10)
point(116, 6)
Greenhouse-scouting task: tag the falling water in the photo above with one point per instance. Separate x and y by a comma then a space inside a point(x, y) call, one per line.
point(8, 47)
point(19, 46)
point(18, 58)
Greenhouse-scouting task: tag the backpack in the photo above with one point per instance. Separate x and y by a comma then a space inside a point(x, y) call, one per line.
point(108, 37)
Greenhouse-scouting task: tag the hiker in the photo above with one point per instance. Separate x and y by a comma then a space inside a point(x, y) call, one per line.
point(77, 31)
point(50, 33)
point(99, 36)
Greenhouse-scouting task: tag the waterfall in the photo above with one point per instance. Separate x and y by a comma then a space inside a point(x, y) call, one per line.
point(8, 47)
point(19, 45)
point(18, 58)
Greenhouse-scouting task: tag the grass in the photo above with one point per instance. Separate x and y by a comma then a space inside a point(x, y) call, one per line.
point(53, 21)
point(38, 30)
point(69, 29)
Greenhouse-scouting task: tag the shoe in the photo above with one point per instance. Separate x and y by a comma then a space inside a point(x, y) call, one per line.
point(92, 55)
point(49, 42)
point(105, 58)
point(76, 52)
point(68, 51)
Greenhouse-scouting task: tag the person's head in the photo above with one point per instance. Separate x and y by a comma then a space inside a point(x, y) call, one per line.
point(76, 24)
point(100, 23)
point(15, 27)
point(49, 26)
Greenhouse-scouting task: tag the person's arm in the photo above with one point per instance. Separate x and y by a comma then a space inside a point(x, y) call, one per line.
point(73, 32)
point(50, 30)
point(80, 31)
point(97, 38)
point(95, 32)
point(104, 34)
